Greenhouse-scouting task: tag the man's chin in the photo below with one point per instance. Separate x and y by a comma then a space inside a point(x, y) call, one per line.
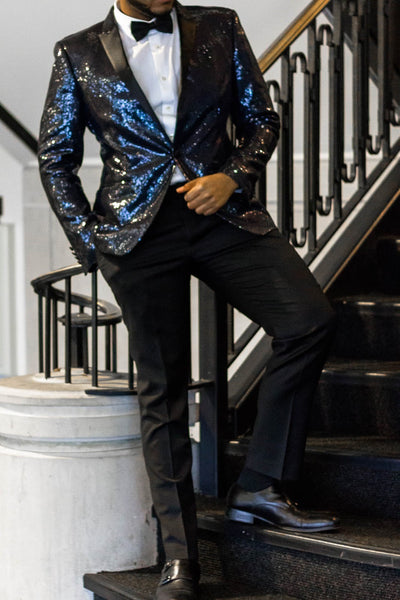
point(154, 9)
point(163, 9)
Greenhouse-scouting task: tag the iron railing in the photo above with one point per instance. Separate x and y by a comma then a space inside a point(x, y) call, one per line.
point(344, 28)
point(333, 85)
point(76, 351)
point(334, 56)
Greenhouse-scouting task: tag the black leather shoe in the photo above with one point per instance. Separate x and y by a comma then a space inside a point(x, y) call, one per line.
point(272, 507)
point(179, 580)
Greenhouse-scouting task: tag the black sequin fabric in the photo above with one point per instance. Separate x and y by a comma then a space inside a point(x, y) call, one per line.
point(93, 87)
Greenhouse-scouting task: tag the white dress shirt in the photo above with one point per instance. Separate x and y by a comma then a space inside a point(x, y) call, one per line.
point(156, 64)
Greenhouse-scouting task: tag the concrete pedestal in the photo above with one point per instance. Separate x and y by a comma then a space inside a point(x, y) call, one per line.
point(74, 495)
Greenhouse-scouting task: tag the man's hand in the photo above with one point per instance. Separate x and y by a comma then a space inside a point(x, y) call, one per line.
point(205, 195)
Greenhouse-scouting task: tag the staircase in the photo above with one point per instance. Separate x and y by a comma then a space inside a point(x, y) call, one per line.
point(352, 466)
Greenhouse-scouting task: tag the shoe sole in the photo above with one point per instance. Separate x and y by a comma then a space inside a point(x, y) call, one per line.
point(240, 516)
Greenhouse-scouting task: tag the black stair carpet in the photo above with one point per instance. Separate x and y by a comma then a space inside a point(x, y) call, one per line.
point(140, 584)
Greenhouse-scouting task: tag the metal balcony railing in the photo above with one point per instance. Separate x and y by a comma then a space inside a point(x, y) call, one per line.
point(76, 353)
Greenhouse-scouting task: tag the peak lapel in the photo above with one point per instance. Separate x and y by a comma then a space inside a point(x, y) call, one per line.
point(187, 29)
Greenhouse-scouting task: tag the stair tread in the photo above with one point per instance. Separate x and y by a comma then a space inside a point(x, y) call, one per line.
point(367, 445)
point(373, 451)
point(363, 539)
point(140, 585)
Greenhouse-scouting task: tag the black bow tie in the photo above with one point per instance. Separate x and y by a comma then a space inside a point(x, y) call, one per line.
point(141, 28)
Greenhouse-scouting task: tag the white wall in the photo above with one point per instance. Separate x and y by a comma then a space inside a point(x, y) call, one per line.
point(12, 302)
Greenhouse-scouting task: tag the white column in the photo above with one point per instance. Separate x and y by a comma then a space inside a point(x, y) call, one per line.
point(74, 494)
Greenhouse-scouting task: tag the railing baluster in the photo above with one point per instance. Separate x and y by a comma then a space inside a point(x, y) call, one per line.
point(114, 348)
point(285, 150)
point(95, 379)
point(107, 349)
point(213, 399)
point(383, 70)
point(40, 333)
point(55, 333)
point(47, 334)
point(230, 331)
point(130, 369)
point(362, 97)
point(349, 172)
point(68, 330)
point(337, 109)
point(85, 352)
point(299, 57)
point(314, 65)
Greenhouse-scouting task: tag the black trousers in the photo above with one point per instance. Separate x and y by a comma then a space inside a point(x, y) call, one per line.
point(266, 280)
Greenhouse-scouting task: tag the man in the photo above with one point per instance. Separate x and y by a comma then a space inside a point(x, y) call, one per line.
point(175, 199)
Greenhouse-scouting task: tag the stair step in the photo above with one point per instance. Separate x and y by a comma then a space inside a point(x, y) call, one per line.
point(355, 475)
point(368, 327)
point(239, 561)
point(333, 567)
point(365, 391)
point(140, 584)
point(361, 560)
point(359, 475)
point(364, 554)
point(360, 539)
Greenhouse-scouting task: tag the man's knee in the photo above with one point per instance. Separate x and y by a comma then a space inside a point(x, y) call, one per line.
point(323, 321)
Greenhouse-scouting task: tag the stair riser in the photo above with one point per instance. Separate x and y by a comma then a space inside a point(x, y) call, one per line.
point(306, 575)
point(339, 484)
point(388, 262)
point(353, 488)
point(365, 334)
point(356, 407)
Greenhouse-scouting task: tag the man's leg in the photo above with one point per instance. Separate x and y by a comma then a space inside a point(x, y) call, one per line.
point(151, 285)
point(266, 280)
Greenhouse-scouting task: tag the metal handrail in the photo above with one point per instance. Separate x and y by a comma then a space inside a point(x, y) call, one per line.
point(291, 33)
point(42, 285)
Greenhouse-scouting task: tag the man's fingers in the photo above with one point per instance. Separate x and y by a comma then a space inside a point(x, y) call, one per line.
point(186, 186)
point(205, 195)
point(203, 206)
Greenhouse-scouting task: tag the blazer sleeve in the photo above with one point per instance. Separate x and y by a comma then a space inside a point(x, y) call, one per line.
point(60, 157)
point(257, 124)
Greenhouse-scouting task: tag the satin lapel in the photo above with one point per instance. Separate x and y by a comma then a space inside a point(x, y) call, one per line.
point(112, 45)
point(187, 29)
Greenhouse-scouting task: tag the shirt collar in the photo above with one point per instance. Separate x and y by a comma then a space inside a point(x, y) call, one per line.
point(124, 21)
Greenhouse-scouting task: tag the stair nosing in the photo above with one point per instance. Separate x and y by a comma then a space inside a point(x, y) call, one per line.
point(375, 462)
point(309, 543)
point(100, 584)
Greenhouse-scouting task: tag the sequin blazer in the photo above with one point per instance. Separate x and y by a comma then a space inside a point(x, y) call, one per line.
point(92, 86)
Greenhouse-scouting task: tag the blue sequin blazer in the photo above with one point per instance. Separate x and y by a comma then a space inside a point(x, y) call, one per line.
point(93, 86)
